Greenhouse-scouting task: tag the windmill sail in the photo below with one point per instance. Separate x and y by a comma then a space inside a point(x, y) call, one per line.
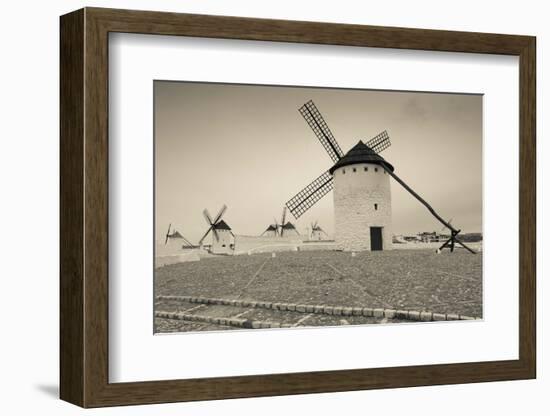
point(319, 126)
point(308, 196)
point(379, 142)
point(167, 234)
point(212, 223)
point(312, 193)
point(219, 216)
point(283, 221)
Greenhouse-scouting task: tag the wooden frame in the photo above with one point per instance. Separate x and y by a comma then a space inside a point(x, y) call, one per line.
point(84, 207)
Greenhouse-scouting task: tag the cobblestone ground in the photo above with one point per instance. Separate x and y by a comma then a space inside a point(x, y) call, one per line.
point(294, 319)
point(413, 280)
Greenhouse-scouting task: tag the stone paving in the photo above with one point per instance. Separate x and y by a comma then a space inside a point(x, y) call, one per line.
point(415, 280)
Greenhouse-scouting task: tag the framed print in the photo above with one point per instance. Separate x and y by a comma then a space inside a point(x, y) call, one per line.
point(256, 207)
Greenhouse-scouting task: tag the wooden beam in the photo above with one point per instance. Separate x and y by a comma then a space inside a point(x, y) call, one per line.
point(454, 231)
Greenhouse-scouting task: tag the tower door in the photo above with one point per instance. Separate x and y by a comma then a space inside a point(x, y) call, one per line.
point(375, 238)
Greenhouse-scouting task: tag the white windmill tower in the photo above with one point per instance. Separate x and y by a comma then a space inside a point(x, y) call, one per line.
point(362, 197)
point(223, 239)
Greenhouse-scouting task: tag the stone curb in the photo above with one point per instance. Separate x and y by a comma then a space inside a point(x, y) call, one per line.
point(424, 316)
point(236, 322)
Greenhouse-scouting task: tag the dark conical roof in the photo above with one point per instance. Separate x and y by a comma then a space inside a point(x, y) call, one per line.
point(360, 153)
point(175, 234)
point(289, 226)
point(222, 225)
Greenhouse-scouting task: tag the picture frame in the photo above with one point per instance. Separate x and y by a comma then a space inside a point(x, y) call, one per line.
point(84, 215)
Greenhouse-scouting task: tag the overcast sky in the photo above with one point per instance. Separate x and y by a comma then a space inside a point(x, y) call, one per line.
point(248, 147)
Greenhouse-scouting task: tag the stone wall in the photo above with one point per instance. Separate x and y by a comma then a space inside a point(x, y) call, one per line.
point(260, 244)
point(357, 188)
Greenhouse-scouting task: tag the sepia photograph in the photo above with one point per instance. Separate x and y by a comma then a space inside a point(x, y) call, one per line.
point(297, 206)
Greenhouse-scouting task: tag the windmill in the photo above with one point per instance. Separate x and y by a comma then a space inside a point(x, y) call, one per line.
point(363, 195)
point(223, 239)
point(272, 230)
point(279, 229)
point(286, 226)
point(176, 235)
point(317, 232)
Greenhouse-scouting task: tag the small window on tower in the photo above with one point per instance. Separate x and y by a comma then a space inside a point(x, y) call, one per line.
point(376, 169)
point(355, 170)
point(376, 207)
point(343, 171)
point(366, 169)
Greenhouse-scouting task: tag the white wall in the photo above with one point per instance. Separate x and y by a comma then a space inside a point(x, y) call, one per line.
point(362, 199)
point(29, 184)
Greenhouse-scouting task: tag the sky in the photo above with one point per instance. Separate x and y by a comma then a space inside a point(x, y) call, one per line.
point(248, 147)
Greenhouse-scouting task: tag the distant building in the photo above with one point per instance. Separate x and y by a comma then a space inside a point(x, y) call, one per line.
point(225, 243)
point(428, 237)
point(432, 237)
point(289, 229)
point(317, 233)
point(270, 231)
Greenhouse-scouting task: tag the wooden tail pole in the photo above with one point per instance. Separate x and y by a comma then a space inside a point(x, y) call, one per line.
point(454, 232)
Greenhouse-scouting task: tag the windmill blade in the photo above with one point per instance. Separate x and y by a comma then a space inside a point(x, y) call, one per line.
point(167, 234)
point(283, 219)
point(276, 226)
point(207, 217)
point(205, 234)
point(312, 193)
point(220, 214)
point(380, 142)
point(319, 126)
point(216, 235)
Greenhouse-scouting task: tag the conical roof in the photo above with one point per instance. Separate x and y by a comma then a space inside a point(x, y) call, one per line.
point(175, 234)
point(360, 153)
point(222, 225)
point(289, 226)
